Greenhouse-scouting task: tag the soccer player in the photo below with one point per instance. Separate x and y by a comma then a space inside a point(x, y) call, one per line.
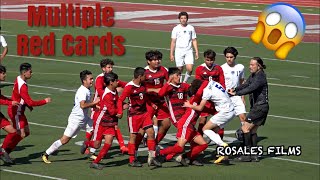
point(139, 120)
point(183, 36)
point(4, 44)
point(106, 67)
point(215, 93)
point(234, 76)
point(78, 117)
point(5, 123)
point(257, 86)
point(209, 71)
point(20, 94)
point(107, 120)
point(155, 76)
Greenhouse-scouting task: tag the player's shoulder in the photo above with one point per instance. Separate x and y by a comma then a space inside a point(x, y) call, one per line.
point(190, 26)
point(201, 66)
point(163, 68)
point(239, 66)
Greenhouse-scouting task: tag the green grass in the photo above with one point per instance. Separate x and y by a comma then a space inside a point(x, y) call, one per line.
point(69, 164)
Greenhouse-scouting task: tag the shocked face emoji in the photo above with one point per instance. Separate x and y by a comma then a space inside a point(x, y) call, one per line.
point(280, 27)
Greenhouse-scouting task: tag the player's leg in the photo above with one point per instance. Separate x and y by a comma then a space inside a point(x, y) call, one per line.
point(198, 145)
point(189, 61)
point(134, 124)
point(119, 137)
point(163, 122)
point(12, 134)
point(202, 122)
point(179, 59)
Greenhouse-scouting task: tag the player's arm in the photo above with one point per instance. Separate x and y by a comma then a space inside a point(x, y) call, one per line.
point(199, 107)
point(126, 93)
point(5, 48)
point(155, 90)
point(195, 43)
point(27, 99)
point(99, 86)
point(255, 84)
point(198, 73)
point(108, 102)
point(221, 78)
point(242, 97)
point(84, 105)
point(166, 88)
point(172, 46)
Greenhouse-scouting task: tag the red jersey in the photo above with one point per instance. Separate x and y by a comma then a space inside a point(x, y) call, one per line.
point(215, 73)
point(175, 97)
point(155, 79)
point(4, 100)
point(21, 95)
point(108, 106)
point(137, 99)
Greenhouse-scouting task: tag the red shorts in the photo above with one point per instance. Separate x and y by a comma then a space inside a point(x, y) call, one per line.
point(188, 133)
point(136, 122)
point(4, 121)
point(19, 120)
point(102, 131)
point(162, 112)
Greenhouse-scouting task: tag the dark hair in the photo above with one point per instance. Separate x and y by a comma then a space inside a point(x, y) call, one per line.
point(260, 62)
point(183, 14)
point(195, 85)
point(209, 53)
point(83, 74)
point(139, 71)
point(159, 54)
point(231, 50)
point(25, 67)
point(110, 77)
point(105, 62)
point(2, 69)
point(152, 55)
point(174, 70)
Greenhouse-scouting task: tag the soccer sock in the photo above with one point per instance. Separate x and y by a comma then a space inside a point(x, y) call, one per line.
point(221, 132)
point(14, 141)
point(247, 139)
point(131, 152)
point(170, 156)
point(8, 139)
point(160, 136)
point(172, 149)
point(138, 140)
point(55, 146)
point(254, 139)
point(214, 137)
point(89, 143)
point(187, 76)
point(196, 150)
point(155, 128)
point(200, 126)
point(102, 152)
point(152, 147)
point(89, 135)
point(119, 137)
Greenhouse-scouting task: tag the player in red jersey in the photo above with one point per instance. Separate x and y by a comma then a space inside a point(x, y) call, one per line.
point(139, 119)
point(209, 71)
point(155, 76)
point(187, 133)
point(5, 123)
point(21, 95)
point(107, 120)
point(106, 67)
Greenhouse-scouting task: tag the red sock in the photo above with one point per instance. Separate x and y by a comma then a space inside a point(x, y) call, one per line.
point(196, 150)
point(221, 133)
point(131, 152)
point(14, 142)
point(89, 143)
point(200, 126)
point(138, 140)
point(89, 135)
point(160, 136)
point(170, 156)
point(119, 137)
point(8, 139)
point(151, 145)
point(102, 152)
point(172, 149)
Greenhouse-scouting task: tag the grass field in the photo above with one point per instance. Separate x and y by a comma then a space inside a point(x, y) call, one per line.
point(293, 117)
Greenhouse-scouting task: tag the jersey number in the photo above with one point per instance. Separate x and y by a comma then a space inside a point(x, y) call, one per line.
point(180, 95)
point(156, 81)
point(210, 78)
point(141, 96)
point(220, 87)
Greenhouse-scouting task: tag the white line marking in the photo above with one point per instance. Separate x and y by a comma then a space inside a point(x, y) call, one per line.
point(237, 5)
point(299, 87)
point(41, 93)
point(186, 2)
point(300, 76)
point(57, 29)
point(32, 30)
point(218, 45)
point(274, 78)
point(254, 6)
point(203, 3)
point(297, 119)
point(4, 31)
point(46, 87)
point(31, 174)
point(220, 4)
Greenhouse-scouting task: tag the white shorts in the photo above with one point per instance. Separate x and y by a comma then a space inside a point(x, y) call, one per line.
point(75, 125)
point(183, 57)
point(222, 118)
point(239, 107)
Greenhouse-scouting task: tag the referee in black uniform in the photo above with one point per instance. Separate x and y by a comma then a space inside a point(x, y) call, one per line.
point(257, 88)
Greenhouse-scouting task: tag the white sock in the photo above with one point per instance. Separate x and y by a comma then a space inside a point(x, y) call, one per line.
point(186, 77)
point(155, 128)
point(145, 135)
point(214, 137)
point(55, 146)
point(92, 150)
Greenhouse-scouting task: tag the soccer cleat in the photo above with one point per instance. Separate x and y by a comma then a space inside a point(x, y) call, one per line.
point(154, 161)
point(196, 163)
point(255, 158)
point(135, 163)
point(243, 158)
point(45, 158)
point(92, 156)
point(222, 160)
point(124, 149)
point(181, 160)
point(96, 166)
point(83, 148)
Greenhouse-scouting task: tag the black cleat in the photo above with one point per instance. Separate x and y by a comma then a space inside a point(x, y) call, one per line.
point(156, 162)
point(135, 163)
point(255, 158)
point(182, 160)
point(196, 163)
point(96, 166)
point(242, 158)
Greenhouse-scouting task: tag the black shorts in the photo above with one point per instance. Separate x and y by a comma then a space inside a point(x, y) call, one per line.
point(258, 114)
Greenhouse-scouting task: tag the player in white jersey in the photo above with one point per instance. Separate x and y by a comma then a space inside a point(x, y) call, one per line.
point(4, 44)
point(183, 36)
point(234, 76)
point(79, 115)
point(215, 93)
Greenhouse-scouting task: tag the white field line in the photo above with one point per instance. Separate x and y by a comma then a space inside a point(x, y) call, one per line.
point(292, 86)
point(46, 87)
point(41, 93)
point(31, 174)
point(300, 76)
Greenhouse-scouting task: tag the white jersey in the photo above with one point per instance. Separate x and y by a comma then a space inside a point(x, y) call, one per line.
point(83, 94)
point(3, 42)
point(232, 75)
point(218, 95)
point(184, 36)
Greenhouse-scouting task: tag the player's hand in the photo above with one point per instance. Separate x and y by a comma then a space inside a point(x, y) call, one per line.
point(196, 56)
point(231, 92)
point(171, 57)
point(14, 103)
point(96, 101)
point(119, 116)
point(170, 79)
point(187, 104)
point(125, 106)
point(48, 99)
point(97, 107)
point(154, 106)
